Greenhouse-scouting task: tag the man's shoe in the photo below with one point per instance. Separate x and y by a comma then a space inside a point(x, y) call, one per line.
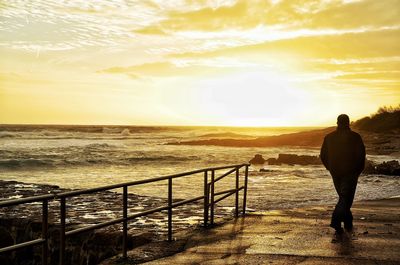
point(338, 236)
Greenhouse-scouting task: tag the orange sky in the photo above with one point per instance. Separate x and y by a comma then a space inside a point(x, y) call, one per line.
point(235, 63)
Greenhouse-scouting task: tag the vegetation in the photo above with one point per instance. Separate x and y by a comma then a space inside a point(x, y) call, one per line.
point(386, 119)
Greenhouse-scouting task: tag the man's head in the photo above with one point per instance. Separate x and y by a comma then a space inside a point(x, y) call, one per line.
point(343, 121)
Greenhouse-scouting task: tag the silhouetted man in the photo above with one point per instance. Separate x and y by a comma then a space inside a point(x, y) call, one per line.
point(343, 154)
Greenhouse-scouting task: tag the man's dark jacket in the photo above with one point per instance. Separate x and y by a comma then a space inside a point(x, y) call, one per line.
point(343, 153)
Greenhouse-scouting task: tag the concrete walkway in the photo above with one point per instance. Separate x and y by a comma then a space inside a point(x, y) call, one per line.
point(298, 236)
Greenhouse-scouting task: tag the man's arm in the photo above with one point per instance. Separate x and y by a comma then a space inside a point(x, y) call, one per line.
point(361, 155)
point(324, 154)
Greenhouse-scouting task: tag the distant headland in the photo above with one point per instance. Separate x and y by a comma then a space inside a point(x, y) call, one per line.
point(380, 131)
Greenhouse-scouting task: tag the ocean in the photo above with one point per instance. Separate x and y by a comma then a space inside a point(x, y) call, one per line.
point(92, 156)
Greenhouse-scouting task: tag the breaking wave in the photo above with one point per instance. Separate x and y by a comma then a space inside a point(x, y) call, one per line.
point(19, 163)
point(226, 135)
point(6, 134)
point(87, 160)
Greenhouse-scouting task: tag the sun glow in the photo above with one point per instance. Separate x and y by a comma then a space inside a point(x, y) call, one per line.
point(256, 98)
point(251, 99)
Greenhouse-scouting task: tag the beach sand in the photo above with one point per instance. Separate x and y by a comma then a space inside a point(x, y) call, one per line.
point(291, 236)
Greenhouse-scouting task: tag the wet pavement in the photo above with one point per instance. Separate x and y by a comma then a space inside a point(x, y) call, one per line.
point(296, 236)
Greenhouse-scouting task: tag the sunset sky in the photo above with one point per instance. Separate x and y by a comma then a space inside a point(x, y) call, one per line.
point(222, 62)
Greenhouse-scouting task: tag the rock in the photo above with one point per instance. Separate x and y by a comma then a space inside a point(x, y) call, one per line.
point(6, 240)
point(273, 161)
point(391, 168)
point(266, 170)
point(287, 159)
point(369, 167)
point(257, 159)
point(292, 159)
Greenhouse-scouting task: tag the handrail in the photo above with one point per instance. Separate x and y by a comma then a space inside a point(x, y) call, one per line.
point(144, 181)
point(224, 191)
point(44, 236)
point(224, 175)
point(23, 245)
point(31, 199)
point(209, 194)
point(225, 196)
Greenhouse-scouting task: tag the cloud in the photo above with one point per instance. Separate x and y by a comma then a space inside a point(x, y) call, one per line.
point(7, 78)
point(369, 13)
point(208, 19)
point(382, 64)
point(151, 30)
point(193, 25)
point(157, 68)
point(338, 45)
point(293, 14)
point(53, 25)
point(180, 67)
point(373, 75)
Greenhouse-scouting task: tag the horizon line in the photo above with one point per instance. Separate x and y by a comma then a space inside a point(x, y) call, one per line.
point(156, 125)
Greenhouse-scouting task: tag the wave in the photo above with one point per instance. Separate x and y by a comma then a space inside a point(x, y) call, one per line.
point(125, 132)
point(167, 158)
point(49, 133)
point(18, 163)
point(119, 134)
point(226, 135)
point(90, 160)
point(7, 134)
point(111, 130)
point(100, 146)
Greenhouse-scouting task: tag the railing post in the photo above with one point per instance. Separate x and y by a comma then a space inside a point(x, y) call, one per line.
point(170, 209)
point(246, 174)
point(237, 194)
point(212, 197)
point(206, 196)
point(125, 222)
point(62, 230)
point(45, 214)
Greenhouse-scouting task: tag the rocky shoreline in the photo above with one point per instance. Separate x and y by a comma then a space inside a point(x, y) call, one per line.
point(376, 143)
point(288, 159)
point(390, 168)
point(23, 222)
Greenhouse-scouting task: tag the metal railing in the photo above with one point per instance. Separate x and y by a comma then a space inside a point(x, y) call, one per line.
point(209, 198)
